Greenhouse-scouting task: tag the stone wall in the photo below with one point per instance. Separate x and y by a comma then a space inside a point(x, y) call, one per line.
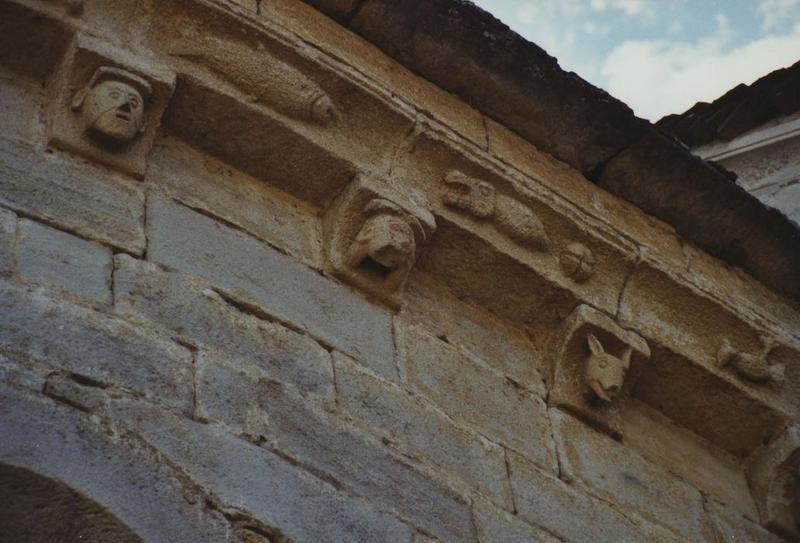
point(312, 296)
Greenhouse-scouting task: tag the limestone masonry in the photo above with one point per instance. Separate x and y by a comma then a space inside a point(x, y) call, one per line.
point(272, 271)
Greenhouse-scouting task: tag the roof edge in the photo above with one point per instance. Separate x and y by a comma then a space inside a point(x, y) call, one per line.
point(454, 43)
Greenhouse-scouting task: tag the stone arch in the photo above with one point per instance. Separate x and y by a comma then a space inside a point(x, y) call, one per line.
point(39, 509)
point(120, 486)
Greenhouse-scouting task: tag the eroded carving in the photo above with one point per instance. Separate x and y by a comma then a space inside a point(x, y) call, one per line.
point(472, 195)
point(112, 105)
point(605, 373)
point(774, 477)
point(374, 234)
point(594, 364)
point(511, 217)
point(107, 105)
point(577, 262)
point(754, 368)
point(264, 78)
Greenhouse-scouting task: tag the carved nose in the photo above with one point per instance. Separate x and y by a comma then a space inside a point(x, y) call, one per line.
point(126, 106)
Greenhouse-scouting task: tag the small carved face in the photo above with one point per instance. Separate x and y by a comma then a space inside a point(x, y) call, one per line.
point(387, 240)
point(114, 111)
point(605, 373)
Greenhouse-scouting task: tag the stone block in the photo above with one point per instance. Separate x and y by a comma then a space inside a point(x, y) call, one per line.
point(90, 344)
point(474, 330)
point(79, 198)
point(566, 512)
point(20, 105)
point(498, 526)
point(249, 479)
point(115, 470)
point(107, 105)
point(594, 364)
point(202, 182)
point(374, 234)
point(8, 235)
point(478, 396)
point(55, 258)
point(712, 471)
point(625, 478)
point(731, 527)
point(243, 398)
point(277, 284)
point(190, 309)
point(419, 430)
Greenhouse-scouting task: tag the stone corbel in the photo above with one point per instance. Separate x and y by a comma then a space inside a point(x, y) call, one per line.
point(106, 105)
point(374, 235)
point(774, 477)
point(595, 363)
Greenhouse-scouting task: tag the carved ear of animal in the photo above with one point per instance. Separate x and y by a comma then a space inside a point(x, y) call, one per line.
point(626, 357)
point(594, 345)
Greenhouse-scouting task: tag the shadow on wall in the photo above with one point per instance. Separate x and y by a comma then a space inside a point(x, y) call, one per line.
point(39, 509)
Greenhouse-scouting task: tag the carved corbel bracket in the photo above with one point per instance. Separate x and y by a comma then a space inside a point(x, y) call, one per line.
point(774, 477)
point(373, 236)
point(595, 363)
point(106, 105)
point(480, 199)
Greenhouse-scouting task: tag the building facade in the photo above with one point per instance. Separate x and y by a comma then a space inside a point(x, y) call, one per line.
point(376, 271)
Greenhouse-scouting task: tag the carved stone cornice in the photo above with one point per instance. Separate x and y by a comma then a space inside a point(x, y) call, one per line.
point(516, 232)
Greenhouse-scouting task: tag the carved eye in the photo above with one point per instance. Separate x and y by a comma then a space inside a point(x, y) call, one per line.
point(115, 94)
point(134, 102)
point(603, 364)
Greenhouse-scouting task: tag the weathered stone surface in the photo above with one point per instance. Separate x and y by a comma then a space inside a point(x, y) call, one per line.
point(474, 330)
point(79, 198)
point(731, 527)
point(252, 401)
point(8, 235)
point(498, 526)
point(93, 345)
point(572, 515)
point(476, 395)
point(711, 470)
point(58, 442)
point(52, 257)
point(624, 477)
point(205, 183)
point(20, 103)
point(250, 479)
point(190, 309)
point(88, 118)
point(685, 329)
point(259, 275)
point(419, 430)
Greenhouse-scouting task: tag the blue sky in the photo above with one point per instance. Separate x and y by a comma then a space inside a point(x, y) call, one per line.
point(660, 56)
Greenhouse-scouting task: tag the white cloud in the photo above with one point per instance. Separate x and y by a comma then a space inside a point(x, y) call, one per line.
point(629, 7)
point(776, 13)
point(658, 77)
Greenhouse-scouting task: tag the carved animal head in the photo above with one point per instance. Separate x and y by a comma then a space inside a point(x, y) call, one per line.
point(386, 242)
point(605, 373)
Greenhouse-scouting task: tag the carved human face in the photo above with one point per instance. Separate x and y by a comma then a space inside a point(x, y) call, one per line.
point(114, 111)
point(605, 373)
